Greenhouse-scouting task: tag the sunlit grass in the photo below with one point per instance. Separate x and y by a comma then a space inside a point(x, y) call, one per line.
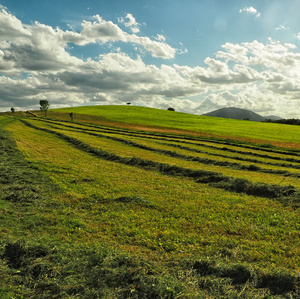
point(210, 125)
point(131, 151)
point(211, 146)
point(170, 221)
point(186, 216)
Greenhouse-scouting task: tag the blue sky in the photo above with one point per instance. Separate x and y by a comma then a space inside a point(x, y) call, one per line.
point(195, 56)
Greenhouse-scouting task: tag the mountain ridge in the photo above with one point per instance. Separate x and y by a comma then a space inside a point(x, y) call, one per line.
point(239, 113)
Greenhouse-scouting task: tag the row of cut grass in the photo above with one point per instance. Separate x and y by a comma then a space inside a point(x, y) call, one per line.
point(121, 184)
point(124, 155)
point(211, 145)
point(132, 151)
point(177, 238)
point(221, 150)
point(243, 130)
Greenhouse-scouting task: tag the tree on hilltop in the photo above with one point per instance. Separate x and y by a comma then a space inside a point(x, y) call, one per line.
point(44, 106)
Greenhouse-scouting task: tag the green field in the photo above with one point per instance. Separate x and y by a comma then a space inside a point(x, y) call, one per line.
point(266, 132)
point(132, 202)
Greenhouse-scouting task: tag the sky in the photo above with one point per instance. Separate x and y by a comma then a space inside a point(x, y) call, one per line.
point(195, 56)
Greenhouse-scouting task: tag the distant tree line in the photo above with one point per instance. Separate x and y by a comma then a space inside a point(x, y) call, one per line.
point(290, 121)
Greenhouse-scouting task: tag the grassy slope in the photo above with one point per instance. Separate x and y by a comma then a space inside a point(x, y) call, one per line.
point(210, 125)
point(103, 236)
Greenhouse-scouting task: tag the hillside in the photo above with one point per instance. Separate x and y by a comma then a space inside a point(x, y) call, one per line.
point(183, 123)
point(104, 208)
point(236, 113)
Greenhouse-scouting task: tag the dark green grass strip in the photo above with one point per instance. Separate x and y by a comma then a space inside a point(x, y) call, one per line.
point(282, 193)
point(20, 180)
point(160, 137)
point(206, 161)
point(244, 144)
point(278, 283)
point(85, 271)
point(32, 268)
point(286, 165)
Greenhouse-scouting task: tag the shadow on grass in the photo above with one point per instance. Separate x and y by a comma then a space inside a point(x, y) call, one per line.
point(105, 272)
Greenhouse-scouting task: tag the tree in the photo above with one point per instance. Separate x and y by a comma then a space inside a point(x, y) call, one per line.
point(171, 109)
point(12, 109)
point(44, 106)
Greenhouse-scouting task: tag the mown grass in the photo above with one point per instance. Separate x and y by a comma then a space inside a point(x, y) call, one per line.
point(115, 146)
point(200, 147)
point(114, 230)
point(268, 133)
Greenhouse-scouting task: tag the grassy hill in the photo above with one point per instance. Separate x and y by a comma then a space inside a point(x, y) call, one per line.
point(183, 123)
point(131, 202)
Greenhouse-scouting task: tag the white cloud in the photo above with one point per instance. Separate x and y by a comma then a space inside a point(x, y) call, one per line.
point(11, 27)
point(160, 37)
point(257, 76)
point(132, 23)
point(272, 55)
point(250, 10)
point(157, 49)
point(219, 73)
point(106, 31)
point(264, 77)
point(282, 27)
point(131, 20)
point(39, 47)
point(100, 31)
point(250, 98)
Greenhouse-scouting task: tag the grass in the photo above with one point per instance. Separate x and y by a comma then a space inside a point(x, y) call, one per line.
point(77, 221)
point(213, 126)
point(114, 151)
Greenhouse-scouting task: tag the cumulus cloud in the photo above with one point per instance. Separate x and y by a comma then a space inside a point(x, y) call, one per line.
point(132, 23)
point(264, 102)
point(35, 63)
point(250, 10)
point(102, 31)
point(219, 72)
point(10, 26)
point(40, 47)
point(272, 55)
point(257, 76)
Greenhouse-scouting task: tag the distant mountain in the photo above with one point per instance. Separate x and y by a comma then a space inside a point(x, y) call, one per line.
point(236, 113)
point(273, 117)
